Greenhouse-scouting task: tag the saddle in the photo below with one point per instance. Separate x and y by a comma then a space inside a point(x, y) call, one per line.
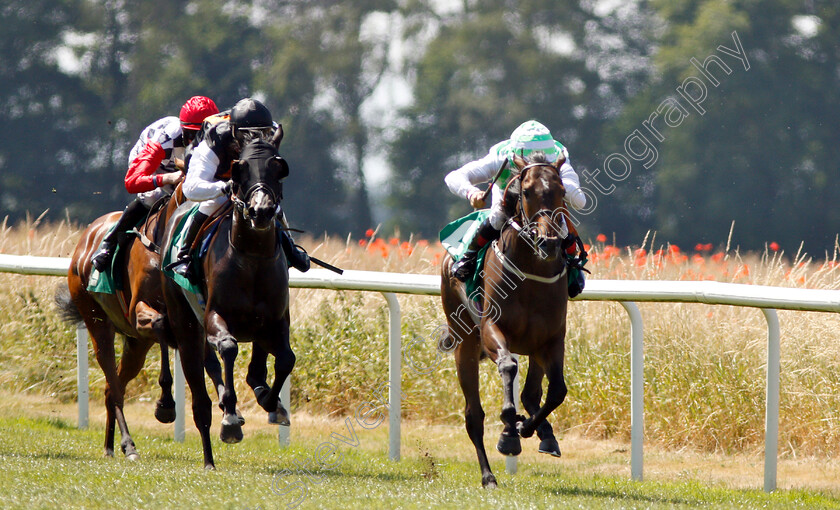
point(198, 248)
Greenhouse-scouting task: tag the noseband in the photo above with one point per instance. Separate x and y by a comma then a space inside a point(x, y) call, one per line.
point(242, 204)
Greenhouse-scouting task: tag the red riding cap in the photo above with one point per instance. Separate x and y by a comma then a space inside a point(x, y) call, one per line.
point(195, 110)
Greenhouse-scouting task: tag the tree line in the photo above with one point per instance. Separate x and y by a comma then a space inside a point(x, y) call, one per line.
point(680, 117)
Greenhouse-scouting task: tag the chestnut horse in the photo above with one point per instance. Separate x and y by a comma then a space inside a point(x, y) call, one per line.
point(135, 312)
point(246, 291)
point(522, 311)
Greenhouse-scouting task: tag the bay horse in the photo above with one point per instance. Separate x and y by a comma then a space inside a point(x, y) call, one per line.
point(523, 300)
point(246, 294)
point(136, 312)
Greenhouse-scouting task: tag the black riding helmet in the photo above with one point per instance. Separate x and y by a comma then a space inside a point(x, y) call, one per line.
point(250, 118)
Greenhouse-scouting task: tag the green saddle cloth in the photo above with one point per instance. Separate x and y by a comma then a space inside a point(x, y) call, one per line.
point(110, 281)
point(456, 237)
point(170, 254)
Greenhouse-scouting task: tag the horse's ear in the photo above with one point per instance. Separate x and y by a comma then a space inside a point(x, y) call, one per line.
point(561, 159)
point(519, 161)
point(282, 166)
point(236, 169)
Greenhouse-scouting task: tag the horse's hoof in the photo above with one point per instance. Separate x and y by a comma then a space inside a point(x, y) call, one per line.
point(108, 453)
point(509, 445)
point(209, 467)
point(550, 446)
point(165, 413)
point(489, 482)
point(133, 456)
point(524, 428)
point(279, 417)
point(231, 430)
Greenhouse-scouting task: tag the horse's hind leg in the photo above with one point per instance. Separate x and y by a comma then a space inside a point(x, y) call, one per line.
point(466, 361)
point(192, 361)
point(531, 395)
point(131, 362)
point(102, 335)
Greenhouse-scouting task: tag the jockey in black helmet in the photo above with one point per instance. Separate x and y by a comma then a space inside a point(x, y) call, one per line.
point(224, 136)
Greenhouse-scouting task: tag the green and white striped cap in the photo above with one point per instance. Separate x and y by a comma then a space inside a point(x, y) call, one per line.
point(529, 137)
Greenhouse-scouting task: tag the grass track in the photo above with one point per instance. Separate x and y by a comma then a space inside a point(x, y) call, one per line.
point(48, 463)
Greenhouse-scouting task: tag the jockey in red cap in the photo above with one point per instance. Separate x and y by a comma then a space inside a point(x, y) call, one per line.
point(155, 167)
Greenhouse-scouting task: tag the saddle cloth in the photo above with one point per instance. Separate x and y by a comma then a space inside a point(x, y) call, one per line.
point(456, 237)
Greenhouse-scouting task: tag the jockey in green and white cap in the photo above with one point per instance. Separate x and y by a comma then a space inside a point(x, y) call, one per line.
point(529, 137)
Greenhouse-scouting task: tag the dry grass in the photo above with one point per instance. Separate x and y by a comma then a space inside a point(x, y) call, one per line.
point(704, 365)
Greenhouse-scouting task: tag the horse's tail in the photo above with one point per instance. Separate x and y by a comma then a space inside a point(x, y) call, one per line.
point(66, 308)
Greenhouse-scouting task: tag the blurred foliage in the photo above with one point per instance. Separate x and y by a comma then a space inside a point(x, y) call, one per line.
point(80, 83)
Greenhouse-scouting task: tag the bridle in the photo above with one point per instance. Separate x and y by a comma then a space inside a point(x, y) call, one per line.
point(526, 230)
point(526, 220)
point(242, 204)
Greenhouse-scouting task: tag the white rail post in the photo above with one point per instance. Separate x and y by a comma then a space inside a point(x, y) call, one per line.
point(283, 432)
point(82, 374)
point(637, 390)
point(180, 398)
point(394, 369)
point(511, 463)
point(771, 417)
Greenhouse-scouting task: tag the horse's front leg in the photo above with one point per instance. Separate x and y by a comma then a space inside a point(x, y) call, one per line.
point(554, 395)
point(220, 338)
point(496, 346)
point(284, 362)
point(214, 371)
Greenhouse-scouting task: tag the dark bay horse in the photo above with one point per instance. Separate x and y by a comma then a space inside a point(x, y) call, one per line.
point(246, 291)
point(522, 311)
point(136, 312)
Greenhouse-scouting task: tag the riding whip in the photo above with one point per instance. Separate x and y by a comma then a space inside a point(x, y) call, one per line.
point(495, 178)
point(326, 265)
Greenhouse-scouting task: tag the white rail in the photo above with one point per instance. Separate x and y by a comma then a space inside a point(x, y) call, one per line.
point(627, 293)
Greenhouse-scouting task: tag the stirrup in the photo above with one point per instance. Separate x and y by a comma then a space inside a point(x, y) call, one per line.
point(101, 260)
point(464, 268)
point(180, 267)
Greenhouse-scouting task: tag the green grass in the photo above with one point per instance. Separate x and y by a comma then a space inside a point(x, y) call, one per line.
point(47, 463)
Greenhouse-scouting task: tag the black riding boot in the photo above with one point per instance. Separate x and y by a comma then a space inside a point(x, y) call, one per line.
point(295, 255)
point(465, 267)
point(297, 258)
point(134, 212)
point(183, 263)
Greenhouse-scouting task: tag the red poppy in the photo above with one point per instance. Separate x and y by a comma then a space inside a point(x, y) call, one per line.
point(601, 238)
